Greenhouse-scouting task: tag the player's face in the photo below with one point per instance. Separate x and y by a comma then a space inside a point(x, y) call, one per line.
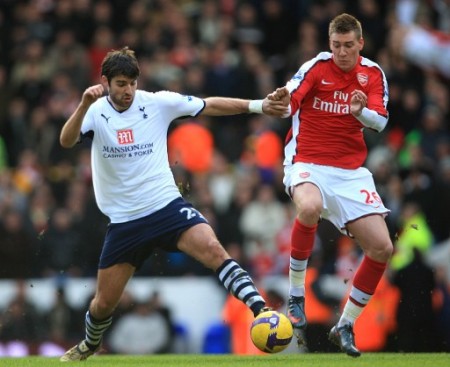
point(345, 48)
point(121, 91)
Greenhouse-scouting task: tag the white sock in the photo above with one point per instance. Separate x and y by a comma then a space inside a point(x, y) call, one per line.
point(356, 302)
point(297, 275)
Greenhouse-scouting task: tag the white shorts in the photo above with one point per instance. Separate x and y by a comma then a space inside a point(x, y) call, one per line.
point(347, 194)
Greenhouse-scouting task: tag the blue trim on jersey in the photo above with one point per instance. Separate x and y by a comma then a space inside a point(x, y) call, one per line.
point(199, 112)
point(134, 241)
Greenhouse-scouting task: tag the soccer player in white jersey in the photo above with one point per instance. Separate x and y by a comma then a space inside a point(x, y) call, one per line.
point(135, 188)
point(332, 98)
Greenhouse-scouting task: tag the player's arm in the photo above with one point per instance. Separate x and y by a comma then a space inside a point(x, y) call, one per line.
point(292, 94)
point(221, 106)
point(70, 131)
point(371, 109)
point(370, 118)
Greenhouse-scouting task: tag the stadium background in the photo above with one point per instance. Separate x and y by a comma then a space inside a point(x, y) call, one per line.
point(230, 168)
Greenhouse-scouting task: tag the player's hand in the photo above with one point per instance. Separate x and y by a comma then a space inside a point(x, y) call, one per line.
point(275, 108)
point(91, 94)
point(358, 102)
point(277, 103)
point(280, 94)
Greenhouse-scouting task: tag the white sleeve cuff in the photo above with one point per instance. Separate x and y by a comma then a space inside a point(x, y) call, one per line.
point(372, 119)
point(255, 106)
point(288, 114)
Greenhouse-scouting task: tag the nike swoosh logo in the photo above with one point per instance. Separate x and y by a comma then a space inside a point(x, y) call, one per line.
point(326, 83)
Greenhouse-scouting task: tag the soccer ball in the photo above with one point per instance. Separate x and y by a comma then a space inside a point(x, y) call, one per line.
point(271, 331)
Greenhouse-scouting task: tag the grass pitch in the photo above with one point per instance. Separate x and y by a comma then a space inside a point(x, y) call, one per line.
point(274, 360)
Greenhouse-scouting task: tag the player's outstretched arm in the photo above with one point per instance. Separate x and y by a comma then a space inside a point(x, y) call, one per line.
point(221, 106)
point(70, 132)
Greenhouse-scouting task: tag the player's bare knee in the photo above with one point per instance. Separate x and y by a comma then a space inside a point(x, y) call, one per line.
point(388, 250)
point(309, 212)
point(102, 307)
point(381, 253)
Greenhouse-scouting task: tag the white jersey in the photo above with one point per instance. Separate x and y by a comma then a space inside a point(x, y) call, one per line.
point(131, 173)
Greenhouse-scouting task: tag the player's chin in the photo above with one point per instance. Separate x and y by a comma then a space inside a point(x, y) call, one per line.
point(344, 65)
point(126, 102)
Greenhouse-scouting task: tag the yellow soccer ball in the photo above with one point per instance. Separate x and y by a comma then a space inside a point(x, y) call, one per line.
point(271, 332)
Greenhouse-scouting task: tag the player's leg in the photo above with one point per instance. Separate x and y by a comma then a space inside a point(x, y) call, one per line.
point(372, 234)
point(201, 243)
point(111, 283)
point(308, 201)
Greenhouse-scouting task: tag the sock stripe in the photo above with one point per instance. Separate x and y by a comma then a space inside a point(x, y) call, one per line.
point(223, 270)
point(239, 283)
point(230, 276)
point(242, 287)
point(95, 329)
point(239, 278)
point(251, 295)
point(356, 302)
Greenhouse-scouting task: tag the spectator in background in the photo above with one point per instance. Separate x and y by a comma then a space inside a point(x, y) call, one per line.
point(414, 235)
point(61, 251)
point(442, 301)
point(428, 49)
point(31, 73)
point(416, 319)
point(70, 57)
point(209, 22)
point(61, 321)
point(146, 329)
point(416, 38)
point(14, 129)
point(229, 221)
point(21, 322)
point(41, 135)
point(17, 247)
point(260, 222)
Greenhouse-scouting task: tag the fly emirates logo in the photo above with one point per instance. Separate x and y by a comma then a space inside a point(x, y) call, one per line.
point(339, 105)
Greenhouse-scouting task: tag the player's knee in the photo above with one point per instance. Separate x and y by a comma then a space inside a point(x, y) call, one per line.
point(309, 211)
point(388, 250)
point(383, 252)
point(102, 306)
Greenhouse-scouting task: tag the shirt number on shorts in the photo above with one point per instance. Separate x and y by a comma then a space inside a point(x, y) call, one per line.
point(190, 213)
point(372, 198)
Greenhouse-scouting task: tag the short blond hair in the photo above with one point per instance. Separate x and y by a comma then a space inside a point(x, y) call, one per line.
point(345, 23)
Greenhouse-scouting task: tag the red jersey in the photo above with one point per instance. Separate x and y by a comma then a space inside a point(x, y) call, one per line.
point(323, 129)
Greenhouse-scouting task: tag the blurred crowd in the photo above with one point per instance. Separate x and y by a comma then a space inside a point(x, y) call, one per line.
point(229, 167)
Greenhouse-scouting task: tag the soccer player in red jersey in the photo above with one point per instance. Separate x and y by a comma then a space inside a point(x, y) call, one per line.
point(332, 99)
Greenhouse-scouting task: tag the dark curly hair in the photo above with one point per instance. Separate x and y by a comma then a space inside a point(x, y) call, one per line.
point(120, 62)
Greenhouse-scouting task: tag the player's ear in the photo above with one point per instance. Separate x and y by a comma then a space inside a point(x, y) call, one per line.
point(361, 43)
point(104, 82)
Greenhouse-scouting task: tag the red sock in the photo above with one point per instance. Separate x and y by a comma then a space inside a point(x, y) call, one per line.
point(368, 275)
point(302, 240)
